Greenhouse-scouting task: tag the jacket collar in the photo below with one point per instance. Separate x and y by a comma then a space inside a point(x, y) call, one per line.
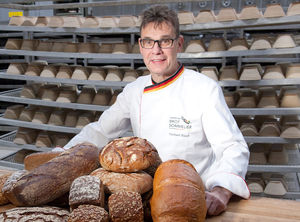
point(157, 86)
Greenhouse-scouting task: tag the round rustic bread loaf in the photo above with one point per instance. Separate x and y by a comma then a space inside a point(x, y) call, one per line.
point(139, 182)
point(128, 154)
point(178, 193)
point(125, 206)
point(89, 213)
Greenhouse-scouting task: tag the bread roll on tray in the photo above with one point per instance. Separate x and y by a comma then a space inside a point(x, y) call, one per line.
point(128, 154)
point(53, 178)
point(178, 193)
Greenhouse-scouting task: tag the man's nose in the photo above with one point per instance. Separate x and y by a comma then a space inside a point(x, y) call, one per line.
point(156, 48)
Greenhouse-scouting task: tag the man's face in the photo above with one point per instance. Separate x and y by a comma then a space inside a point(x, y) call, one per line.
point(161, 62)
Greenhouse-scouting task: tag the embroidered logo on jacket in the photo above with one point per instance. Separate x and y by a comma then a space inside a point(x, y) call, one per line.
point(179, 126)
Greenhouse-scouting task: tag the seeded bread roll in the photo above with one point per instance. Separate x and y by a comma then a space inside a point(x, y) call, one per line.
point(89, 213)
point(41, 214)
point(86, 190)
point(128, 154)
point(178, 193)
point(139, 182)
point(53, 178)
point(125, 206)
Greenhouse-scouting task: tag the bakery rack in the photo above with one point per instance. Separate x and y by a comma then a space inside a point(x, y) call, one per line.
point(261, 56)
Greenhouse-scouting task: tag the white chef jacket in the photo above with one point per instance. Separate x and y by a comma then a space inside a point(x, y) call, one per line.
point(184, 117)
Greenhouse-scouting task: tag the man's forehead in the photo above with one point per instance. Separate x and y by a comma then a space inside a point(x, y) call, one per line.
point(159, 26)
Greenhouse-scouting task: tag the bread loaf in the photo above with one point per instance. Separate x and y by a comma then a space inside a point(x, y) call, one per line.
point(86, 190)
point(41, 214)
point(139, 182)
point(34, 160)
point(128, 154)
point(89, 213)
point(53, 178)
point(178, 193)
point(125, 206)
point(3, 178)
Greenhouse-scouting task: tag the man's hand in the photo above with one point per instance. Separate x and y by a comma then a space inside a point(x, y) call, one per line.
point(217, 200)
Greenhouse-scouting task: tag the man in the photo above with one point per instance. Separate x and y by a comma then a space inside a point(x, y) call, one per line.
point(182, 112)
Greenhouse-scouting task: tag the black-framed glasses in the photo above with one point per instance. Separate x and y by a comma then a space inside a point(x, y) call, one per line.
point(162, 43)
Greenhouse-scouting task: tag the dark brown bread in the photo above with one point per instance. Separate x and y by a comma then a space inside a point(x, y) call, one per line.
point(89, 213)
point(128, 154)
point(125, 206)
point(178, 193)
point(86, 190)
point(139, 182)
point(41, 214)
point(53, 178)
point(3, 178)
point(34, 160)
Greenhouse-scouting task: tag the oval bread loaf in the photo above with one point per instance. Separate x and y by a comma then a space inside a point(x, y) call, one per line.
point(178, 193)
point(42, 214)
point(128, 154)
point(139, 182)
point(53, 178)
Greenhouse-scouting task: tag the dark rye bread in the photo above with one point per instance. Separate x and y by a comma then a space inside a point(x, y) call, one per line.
point(128, 154)
point(125, 206)
point(89, 213)
point(29, 214)
point(139, 182)
point(86, 190)
point(53, 178)
point(3, 178)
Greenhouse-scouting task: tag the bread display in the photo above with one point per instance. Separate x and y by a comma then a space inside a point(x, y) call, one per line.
point(49, 71)
point(128, 154)
point(178, 193)
point(34, 160)
point(53, 178)
point(86, 190)
point(114, 182)
point(125, 206)
point(80, 73)
point(97, 74)
point(88, 213)
point(41, 116)
point(41, 214)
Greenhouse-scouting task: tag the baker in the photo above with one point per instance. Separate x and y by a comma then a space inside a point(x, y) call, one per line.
point(182, 112)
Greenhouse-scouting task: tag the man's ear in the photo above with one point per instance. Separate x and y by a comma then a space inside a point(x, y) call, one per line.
point(180, 43)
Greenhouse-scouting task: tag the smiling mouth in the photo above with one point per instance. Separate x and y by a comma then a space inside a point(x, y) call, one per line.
point(157, 60)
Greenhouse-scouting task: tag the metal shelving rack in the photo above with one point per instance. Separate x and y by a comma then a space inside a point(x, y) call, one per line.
point(292, 22)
